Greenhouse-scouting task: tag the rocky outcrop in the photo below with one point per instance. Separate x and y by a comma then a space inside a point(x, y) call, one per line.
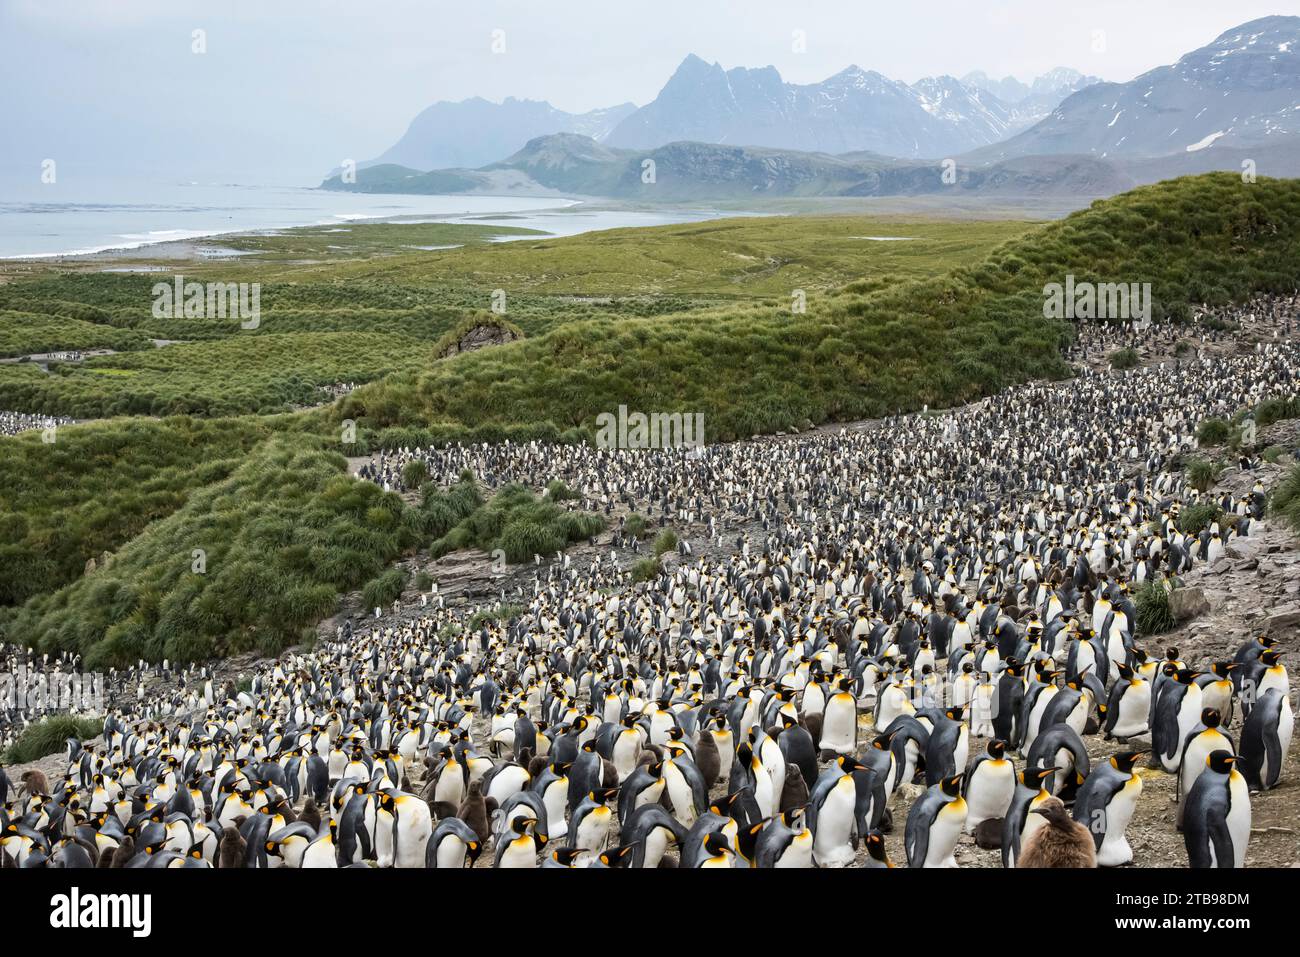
point(480, 337)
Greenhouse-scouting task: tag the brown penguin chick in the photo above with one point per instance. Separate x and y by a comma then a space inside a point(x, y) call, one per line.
point(608, 774)
point(123, 852)
point(795, 793)
point(813, 722)
point(34, 782)
point(707, 759)
point(536, 765)
point(310, 814)
point(988, 834)
point(474, 812)
point(233, 849)
point(1062, 842)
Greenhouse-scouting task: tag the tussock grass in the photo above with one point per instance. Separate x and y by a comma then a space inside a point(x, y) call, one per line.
point(49, 736)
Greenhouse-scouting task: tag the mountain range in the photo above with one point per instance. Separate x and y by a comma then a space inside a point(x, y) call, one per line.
point(476, 131)
point(714, 133)
point(1242, 90)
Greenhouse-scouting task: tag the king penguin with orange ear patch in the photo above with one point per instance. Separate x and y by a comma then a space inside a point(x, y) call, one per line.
point(989, 786)
point(1217, 817)
point(1105, 804)
point(934, 824)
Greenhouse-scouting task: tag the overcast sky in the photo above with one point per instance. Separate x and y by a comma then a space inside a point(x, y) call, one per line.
point(289, 88)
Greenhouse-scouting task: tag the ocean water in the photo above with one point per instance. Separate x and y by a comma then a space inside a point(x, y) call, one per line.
point(42, 220)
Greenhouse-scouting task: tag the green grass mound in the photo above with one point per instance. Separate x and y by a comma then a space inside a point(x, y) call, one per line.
point(49, 736)
point(520, 525)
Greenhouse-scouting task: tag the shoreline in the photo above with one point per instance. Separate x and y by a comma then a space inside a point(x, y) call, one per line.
point(169, 237)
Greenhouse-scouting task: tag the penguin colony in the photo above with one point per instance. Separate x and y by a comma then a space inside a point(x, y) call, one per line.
point(932, 619)
point(13, 423)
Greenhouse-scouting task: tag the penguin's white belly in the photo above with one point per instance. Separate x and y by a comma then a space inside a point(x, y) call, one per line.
point(656, 843)
point(555, 801)
point(1285, 728)
point(450, 788)
point(1218, 695)
point(831, 846)
point(1193, 762)
point(725, 751)
point(414, 827)
point(944, 831)
point(451, 852)
point(1238, 818)
point(593, 830)
point(520, 853)
point(839, 724)
point(320, 854)
point(764, 791)
point(508, 782)
point(1134, 711)
point(626, 750)
point(679, 794)
point(799, 853)
point(990, 792)
point(1189, 716)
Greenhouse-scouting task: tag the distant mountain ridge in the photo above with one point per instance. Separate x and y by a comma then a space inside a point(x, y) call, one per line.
point(853, 110)
point(475, 132)
point(1240, 91)
point(568, 164)
point(714, 133)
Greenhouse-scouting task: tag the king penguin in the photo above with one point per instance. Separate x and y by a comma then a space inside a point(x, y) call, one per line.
point(1105, 805)
point(934, 824)
point(1218, 815)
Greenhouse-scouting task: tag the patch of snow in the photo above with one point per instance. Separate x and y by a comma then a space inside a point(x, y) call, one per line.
point(1202, 144)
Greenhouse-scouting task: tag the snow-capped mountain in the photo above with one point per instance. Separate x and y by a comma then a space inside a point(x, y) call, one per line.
point(1027, 103)
point(854, 110)
point(1241, 91)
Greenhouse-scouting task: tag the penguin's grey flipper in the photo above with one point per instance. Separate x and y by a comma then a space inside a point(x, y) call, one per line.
point(1222, 842)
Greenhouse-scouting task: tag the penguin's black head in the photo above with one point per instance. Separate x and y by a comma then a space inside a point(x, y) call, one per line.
point(1211, 718)
point(715, 843)
point(1270, 657)
point(951, 786)
point(955, 712)
point(565, 855)
point(1221, 762)
point(1125, 761)
point(848, 764)
point(1034, 776)
point(997, 748)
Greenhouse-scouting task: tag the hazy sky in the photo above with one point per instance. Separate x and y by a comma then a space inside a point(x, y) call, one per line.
point(289, 88)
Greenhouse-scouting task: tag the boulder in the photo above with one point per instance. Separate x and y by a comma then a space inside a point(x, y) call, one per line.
point(1188, 603)
point(1284, 616)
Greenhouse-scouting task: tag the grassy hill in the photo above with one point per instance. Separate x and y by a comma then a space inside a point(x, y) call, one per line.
point(873, 348)
point(692, 318)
